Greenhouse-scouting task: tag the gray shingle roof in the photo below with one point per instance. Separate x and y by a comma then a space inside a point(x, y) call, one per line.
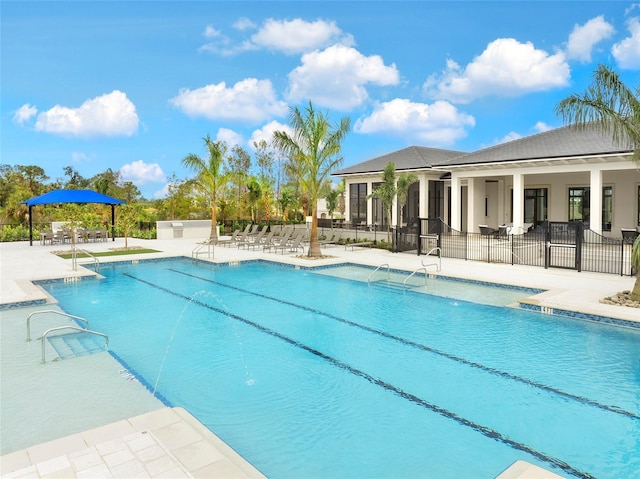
point(412, 157)
point(562, 142)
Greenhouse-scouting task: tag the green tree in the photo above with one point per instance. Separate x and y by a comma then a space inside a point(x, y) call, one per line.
point(405, 180)
point(331, 197)
point(386, 192)
point(614, 108)
point(238, 167)
point(210, 179)
point(76, 181)
point(254, 195)
point(315, 147)
point(342, 203)
point(128, 218)
point(286, 199)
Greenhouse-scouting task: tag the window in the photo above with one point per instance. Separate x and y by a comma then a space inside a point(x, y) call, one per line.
point(579, 205)
point(535, 205)
point(579, 209)
point(358, 203)
point(607, 207)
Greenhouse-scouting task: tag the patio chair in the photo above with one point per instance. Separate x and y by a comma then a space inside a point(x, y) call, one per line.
point(488, 231)
point(335, 238)
point(280, 241)
point(230, 241)
point(250, 240)
point(266, 240)
point(60, 237)
point(46, 236)
point(292, 247)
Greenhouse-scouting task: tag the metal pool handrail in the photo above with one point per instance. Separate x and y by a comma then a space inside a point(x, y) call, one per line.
point(53, 311)
point(381, 266)
point(76, 328)
point(412, 274)
point(74, 258)
point(439, 263)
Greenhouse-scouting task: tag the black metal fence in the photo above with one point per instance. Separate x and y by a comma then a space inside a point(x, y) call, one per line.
point(550, 245)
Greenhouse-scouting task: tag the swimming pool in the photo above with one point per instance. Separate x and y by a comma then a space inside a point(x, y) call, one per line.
point(308, 375)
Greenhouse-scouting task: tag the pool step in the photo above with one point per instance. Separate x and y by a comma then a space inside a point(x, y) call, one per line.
point(73, 345)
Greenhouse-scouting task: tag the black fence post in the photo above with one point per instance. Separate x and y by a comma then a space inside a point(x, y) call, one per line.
point(579, 233)
point(547, 244)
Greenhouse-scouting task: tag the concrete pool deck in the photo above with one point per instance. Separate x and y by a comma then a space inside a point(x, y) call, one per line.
point(20, 264)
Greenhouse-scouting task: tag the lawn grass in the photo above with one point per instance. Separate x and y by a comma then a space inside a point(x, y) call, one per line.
point(109, 253)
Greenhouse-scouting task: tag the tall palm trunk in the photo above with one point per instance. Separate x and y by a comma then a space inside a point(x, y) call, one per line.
point(213, 235)
point(314, 243)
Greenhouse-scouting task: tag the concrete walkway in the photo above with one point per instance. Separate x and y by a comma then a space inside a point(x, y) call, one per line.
point(144, 439)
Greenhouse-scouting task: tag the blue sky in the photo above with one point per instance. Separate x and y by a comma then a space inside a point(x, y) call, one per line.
point(135, 86)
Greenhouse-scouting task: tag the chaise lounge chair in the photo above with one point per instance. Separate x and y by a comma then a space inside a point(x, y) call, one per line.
point(291, 246)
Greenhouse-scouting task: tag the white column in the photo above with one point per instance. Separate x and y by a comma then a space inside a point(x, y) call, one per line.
point(595, 199)
point(518, 202)
point(502, 200)
point(424, 197)
point(369, 202)
point(347, 202)
point(455, 203)
point(475, 204)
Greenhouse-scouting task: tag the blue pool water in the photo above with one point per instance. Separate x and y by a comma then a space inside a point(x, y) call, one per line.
point(308, 375)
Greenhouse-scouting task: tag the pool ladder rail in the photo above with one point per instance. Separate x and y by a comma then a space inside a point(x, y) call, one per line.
point(77, 319)
point(377, 269)
point(199, 249)
point(425, 264)
point(74, 258)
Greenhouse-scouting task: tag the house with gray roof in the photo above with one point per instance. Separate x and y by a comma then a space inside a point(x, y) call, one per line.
point(566, 174)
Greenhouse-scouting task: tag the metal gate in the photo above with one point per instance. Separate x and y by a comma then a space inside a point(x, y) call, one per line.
point(563, 244)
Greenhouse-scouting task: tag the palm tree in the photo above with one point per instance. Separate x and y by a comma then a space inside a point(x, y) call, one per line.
point(614, 108)
point(405, 180)
point(386, 192)
point(331, 198)
point(210, 178)
point(315, 147)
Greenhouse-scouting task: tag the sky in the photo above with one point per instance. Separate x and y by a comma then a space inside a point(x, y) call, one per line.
point(135, 86)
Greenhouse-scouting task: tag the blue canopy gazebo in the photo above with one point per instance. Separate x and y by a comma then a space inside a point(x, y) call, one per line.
point(73, 196)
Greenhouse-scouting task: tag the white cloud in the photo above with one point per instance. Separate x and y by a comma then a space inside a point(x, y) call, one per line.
point(511, 136)
point(211, 32)
point(583, 38)
point(506, 68)
point(336, 77)
point(139, 172)
point(298, 36)
point(162, 192)
point(627, 52)
point(266, 132)
point(286, 36)
point(249, 100)
point(112, 114)
point(439, 123)
point(244, 23)
point(24, 114)
point(541, 127)
point(230, 137)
